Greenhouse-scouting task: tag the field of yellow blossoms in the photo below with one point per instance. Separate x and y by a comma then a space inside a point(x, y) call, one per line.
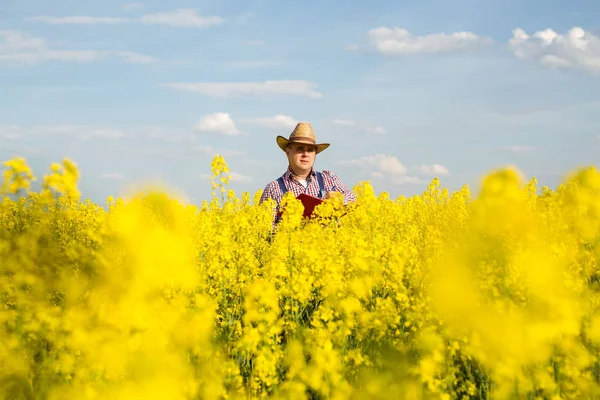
point(441, 295)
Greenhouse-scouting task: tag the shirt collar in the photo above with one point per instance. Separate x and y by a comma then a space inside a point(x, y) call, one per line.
point(288, 174)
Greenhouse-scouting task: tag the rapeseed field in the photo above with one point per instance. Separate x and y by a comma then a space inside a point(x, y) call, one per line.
point(436, 296)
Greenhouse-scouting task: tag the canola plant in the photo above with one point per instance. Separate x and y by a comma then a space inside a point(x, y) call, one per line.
point(435, 296)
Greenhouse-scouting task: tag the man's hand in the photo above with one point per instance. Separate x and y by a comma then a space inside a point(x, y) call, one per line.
point(331, 195)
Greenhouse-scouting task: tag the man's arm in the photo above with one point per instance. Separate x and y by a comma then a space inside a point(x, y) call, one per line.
point(266, 194)
point(269, 194)
point(333, 181)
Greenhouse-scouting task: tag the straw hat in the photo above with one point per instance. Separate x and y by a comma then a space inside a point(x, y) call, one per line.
point(302, 133)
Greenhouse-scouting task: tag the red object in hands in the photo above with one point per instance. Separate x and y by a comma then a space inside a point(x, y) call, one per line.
point(309, 202)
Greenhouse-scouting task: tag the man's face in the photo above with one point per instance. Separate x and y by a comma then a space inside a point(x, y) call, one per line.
point(301, 156)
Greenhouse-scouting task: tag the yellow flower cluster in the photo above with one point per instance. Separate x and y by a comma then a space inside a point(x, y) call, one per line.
point(439, 295)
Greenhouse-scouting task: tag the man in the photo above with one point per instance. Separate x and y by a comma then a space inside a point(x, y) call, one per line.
point(301, 149)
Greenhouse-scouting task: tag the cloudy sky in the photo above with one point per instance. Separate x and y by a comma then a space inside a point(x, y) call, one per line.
point(404, 91)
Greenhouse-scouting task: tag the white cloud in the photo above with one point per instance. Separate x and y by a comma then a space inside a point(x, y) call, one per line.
point(383, 163)
point(378, 130)
point(233, 89)
point(576, 49)
point(11, 132)
point(237, 177)
point(277, 122)
point(182, 18)
point(389, 168)
point(432, 170)
point(383, 167)
point(185, 138)
point(79, 20)
point(398, 41)
point(405, 180)
point(16, 47)
point(66, 130)
point(218, 122)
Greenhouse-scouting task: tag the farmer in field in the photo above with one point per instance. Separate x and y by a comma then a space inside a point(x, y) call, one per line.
point(301, 149)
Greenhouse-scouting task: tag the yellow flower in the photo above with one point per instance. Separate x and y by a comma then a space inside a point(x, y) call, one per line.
point(438, 295)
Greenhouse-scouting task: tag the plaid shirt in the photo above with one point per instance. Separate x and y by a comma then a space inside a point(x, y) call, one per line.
point(330, 180)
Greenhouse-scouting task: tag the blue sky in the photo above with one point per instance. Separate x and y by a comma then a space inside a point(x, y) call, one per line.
point(404, 91)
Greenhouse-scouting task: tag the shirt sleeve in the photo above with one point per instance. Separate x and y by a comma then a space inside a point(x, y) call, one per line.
point(334, 181)
point(268, 193)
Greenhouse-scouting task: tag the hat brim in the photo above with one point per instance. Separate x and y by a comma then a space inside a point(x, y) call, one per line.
point(282, 142)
